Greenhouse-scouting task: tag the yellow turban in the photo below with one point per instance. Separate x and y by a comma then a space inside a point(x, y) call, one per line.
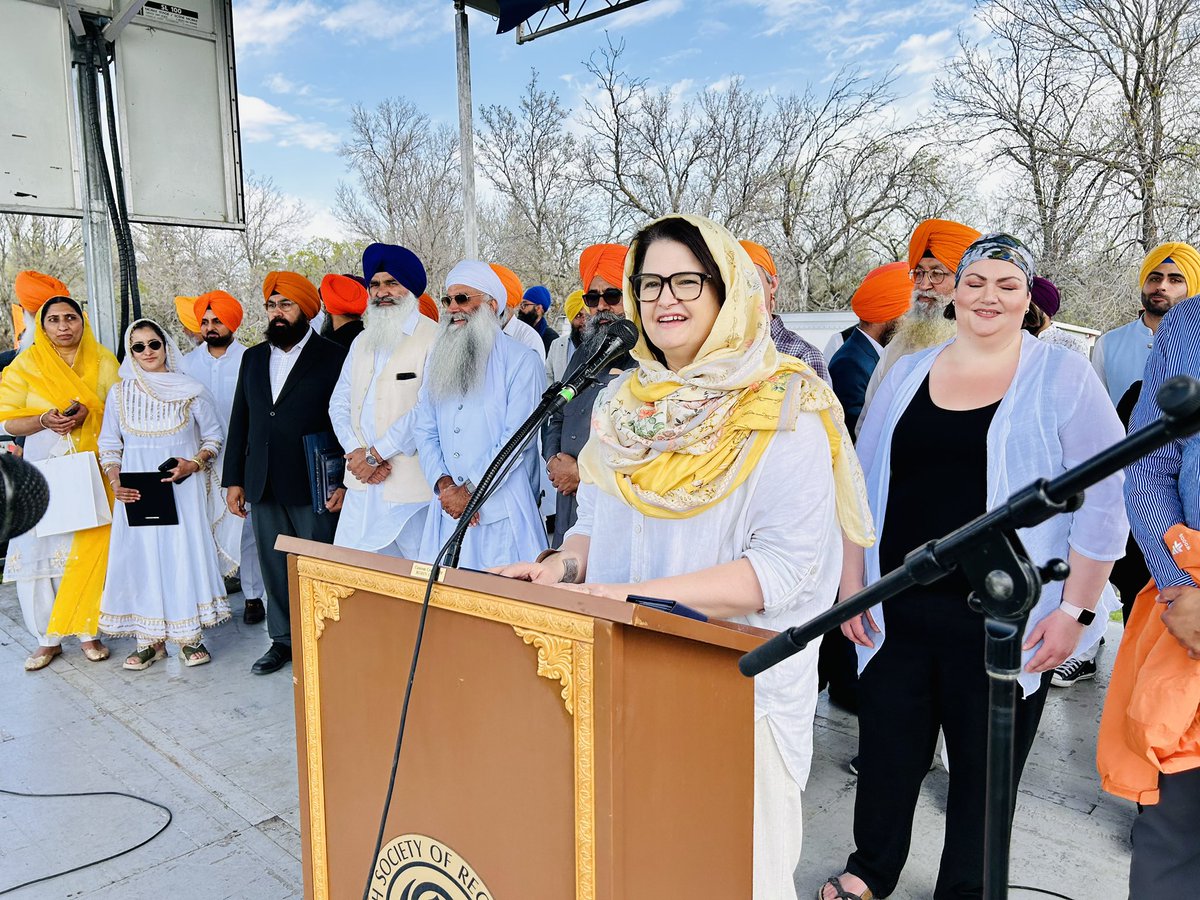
point(1183, 255)
point(512, 284)
point(225, 305)
point(294, 287)
point(573, 305)
point(760, 256)
point(33, 289)
point(185, 308)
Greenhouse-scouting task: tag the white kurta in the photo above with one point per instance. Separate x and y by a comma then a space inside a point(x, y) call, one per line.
point(164, 582)
point(523, 334)
point(368, 521)
point(461, 436)
point(220, 375)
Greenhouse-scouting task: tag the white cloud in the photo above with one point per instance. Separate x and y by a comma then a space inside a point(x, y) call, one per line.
point(263, 122)
point(268, 23)
point(680, 88)
point(722, 84)
point(921, 54)
point(370, 20)
point(322, 223)
point(645, 12)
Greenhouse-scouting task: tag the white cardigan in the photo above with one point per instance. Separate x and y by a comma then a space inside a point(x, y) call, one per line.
point(1054, 415)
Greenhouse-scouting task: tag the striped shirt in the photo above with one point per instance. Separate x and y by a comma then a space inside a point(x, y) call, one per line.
point(1163, 488)
point(793, 345)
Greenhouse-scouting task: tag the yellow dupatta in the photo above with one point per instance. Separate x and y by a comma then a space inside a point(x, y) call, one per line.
point(672, 444)
point(41, 373)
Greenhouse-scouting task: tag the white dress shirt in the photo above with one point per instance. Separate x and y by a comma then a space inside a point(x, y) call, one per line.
point(521, 332)
point(217, 373)
point(282, 363)
point(1120, 355)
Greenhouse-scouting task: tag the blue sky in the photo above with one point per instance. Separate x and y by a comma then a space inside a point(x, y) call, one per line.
point(302, 64)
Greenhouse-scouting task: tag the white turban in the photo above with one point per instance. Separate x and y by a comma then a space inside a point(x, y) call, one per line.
point(480, 276)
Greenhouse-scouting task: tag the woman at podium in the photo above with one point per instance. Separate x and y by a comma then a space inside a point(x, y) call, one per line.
point(719, 473)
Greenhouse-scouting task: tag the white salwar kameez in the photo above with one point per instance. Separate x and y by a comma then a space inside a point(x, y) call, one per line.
point(164, 581)
point(37, 564)
point(783, 520)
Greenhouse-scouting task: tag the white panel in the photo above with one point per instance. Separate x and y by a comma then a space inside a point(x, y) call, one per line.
point(179, 142)
point(37, 171)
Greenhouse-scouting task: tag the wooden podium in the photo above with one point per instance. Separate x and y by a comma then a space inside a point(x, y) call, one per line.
point(558, 745)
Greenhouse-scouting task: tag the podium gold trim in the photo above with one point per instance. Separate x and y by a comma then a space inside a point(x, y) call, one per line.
point(564, 642)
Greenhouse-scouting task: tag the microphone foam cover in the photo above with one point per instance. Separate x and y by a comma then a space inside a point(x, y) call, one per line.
point(24, 493)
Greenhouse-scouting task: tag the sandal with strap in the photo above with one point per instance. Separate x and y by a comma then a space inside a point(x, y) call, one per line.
point(145, 658)
point(196, 655)
point(842, 894)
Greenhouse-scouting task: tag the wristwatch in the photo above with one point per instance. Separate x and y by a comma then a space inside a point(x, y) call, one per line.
point(1078, 613)
point(371, 460)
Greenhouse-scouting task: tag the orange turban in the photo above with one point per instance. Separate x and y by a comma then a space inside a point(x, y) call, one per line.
point(512, 284)
point(226, 307)
point(885, 294)
point(185, 308)
point(605, 260)
point(1183, 255)
point(343, 296)
point(945, 240)
point(18, 324)
point(429, 307)
point(33, 289)
point(760, 256)
point(294, 287)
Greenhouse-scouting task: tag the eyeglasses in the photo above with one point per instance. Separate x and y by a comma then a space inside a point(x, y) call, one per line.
point(933, 276)
point(459, 299)
point(139, 347)
point(611, 297)
point(685, 286)
point(281, 305)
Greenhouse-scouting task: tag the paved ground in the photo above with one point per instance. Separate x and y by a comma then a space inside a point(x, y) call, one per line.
point(216, 745)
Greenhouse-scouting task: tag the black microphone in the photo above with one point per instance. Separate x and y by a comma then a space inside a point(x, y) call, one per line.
point(616, 340)
point(24, 496)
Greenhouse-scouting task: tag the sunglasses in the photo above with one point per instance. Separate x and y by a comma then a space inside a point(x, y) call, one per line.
point(460, 299)
point(139, 347)
point(611, 296)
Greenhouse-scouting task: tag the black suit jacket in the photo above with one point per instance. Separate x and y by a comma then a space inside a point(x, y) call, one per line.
point(264, 452)
point(850, 370)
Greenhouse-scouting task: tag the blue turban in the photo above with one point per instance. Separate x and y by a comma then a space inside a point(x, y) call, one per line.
point(539, 295)
point(399, 262)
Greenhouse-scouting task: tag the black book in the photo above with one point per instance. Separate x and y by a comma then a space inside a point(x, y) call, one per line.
point(326, 467)
point(157, 505)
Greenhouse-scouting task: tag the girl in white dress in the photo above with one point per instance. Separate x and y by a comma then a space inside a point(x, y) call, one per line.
point(165, 582)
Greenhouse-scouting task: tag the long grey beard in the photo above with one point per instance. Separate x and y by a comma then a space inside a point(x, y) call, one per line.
point(383, 326)
point(924, 325)
point(458, 358)
point(597, 322)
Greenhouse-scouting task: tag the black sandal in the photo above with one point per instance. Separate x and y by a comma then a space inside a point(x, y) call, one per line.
point(842, 893)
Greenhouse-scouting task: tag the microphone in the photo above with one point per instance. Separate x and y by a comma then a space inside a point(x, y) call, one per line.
point(24, 496)
point(617, 340)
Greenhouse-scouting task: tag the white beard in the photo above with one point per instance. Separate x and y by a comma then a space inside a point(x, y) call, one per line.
point(458, 358)
point(383, 326)
point(924, 325)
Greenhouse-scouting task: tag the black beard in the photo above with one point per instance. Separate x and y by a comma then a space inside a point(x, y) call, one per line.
point(217, 341)
point(530, 318)
point(284, 334)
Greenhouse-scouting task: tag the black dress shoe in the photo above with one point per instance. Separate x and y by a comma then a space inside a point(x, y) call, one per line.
point(254, 612)
point(273, 660)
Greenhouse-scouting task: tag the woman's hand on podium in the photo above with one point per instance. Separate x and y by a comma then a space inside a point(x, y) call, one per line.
point(538, 573)
point(611, 591)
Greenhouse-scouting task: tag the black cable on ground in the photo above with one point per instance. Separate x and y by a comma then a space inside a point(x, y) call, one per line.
point(1025, 887)
point(97, 862)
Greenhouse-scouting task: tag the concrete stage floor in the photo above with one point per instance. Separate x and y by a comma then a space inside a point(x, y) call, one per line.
point(216, 745)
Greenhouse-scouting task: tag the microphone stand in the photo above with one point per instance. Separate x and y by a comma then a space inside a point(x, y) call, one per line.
point(1005, 586)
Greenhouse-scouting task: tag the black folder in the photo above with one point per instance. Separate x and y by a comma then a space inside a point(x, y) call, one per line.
point(326, 467)
point(157, 506)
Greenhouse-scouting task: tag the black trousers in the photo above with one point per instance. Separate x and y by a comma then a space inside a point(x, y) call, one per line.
point(1166, 840)
point(929, 674)
point(271, 520)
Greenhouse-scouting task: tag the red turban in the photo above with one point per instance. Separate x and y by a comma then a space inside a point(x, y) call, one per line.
point(885, 294)
point(429, 307)
point(33, 289)
point(343, 296)
point(224, 305)
point(294, 287)
point(946, 241)
point(605, 260)
point(760, 256)
point(512, 284)
point(185, 308)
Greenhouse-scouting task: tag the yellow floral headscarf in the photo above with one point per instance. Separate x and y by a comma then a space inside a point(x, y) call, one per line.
point(673, 444)
point(40, 374)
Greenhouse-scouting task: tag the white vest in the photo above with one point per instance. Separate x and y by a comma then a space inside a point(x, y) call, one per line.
point(394, 397)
